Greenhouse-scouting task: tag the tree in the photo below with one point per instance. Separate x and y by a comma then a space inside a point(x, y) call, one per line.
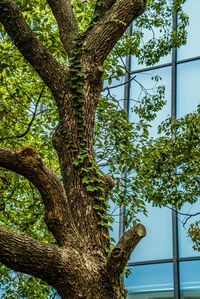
point(75, 256)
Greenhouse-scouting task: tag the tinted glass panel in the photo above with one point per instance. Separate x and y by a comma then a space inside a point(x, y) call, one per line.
point(151, 295)
point(147, 35)
point(187, 99)
point(158, 224)
point(145, 81)
point(188, 95)
point(158, 241)
point(185, 243)
point(192, 294)
point(156, 277)
point(192, 48)
point(190, 279)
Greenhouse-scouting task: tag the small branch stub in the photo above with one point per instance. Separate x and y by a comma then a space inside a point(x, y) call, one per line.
point(118, 257)
point(141, 230)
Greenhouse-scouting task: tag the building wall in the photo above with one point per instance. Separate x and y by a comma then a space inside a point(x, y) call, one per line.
point(164, 264)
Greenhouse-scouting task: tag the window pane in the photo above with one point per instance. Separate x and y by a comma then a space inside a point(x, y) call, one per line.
point(151, 295)
point(147, 36)
point(156, 277)
point(191, 49)
point(193, 294)
point(136, 66)
point(188, 96)
point(158, 241)
point(145, 81)
point(158, 223)
point(185, 243)
point(190, 279)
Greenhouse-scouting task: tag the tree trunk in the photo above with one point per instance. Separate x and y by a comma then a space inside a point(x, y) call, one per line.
point(75, 211)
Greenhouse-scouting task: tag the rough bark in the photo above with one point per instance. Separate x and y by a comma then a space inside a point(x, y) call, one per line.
point(119, 256)
point(102, 7)
point(27, 162)
point(74, 273)
point(79, 266)
point(68, 27)
point(111, 27)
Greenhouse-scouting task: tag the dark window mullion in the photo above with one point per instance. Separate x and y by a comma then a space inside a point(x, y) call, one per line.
point(127, 87)
point(174, 213)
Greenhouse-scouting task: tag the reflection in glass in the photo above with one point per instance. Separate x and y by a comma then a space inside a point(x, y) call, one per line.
point(151, 295)
point(147, 36)
point(190, 279)
point(158, 224)
point(146, 278)
point(145, 80)
point(185, 243)
point(191, 49)
point(194, 294)
point(158, 241)
point(188, 94)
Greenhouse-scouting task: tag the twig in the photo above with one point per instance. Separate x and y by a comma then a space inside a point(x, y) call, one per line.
point(184, 214)
point(121, 84)
point(30, 123)
point(33, 117)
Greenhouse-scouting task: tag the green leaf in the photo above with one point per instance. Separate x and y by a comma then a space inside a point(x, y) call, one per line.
point(91, 188)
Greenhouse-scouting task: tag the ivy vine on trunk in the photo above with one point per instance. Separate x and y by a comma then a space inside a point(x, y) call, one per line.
point(75, 211)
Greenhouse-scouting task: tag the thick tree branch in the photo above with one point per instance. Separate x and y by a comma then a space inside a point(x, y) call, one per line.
point(68, 27)
point(60, 267)
point(118, 257)
point(104, 35)
point(103, 6)
point(27, 255)
point(27, 162)
point(51, 72)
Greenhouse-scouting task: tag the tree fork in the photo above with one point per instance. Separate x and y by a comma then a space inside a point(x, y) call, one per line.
point(27, 162)
point(79, 266)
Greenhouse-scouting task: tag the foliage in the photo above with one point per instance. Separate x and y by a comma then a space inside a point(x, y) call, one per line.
point(28, 117)
point(15, 285)
point(169, 165)
point(194, 234)
point(152, 36)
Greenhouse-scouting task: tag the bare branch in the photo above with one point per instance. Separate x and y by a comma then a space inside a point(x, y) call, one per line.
point(31, 48)
point(68, 27)
point(27, 162)
point(30, 123)
point(118, 85)
point(33, 117)
point(118, 257)
point(189, 215)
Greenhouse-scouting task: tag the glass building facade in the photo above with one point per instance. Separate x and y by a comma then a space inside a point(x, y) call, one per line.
point(164, 264)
